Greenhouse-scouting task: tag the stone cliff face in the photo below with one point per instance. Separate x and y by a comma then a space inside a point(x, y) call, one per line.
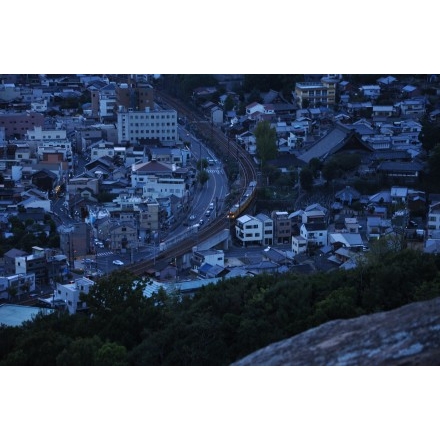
point(409, 335)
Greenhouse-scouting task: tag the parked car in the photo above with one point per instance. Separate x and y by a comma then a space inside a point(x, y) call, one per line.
point(118, 262)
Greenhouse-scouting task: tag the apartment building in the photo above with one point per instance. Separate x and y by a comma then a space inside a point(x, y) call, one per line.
point(138, 96)
point(16, 125)
point(282, 227)
point(134, 126)
point(317, 93)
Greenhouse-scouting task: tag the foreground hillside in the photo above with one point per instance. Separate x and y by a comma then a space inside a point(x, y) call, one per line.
point(220, 324)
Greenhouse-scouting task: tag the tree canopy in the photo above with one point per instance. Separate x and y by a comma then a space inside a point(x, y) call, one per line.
point(220, 323)
point(266, 137)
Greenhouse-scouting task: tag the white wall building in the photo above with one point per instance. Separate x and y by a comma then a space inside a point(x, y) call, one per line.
point(314, 233)
point(299, 244)
point(148, 124)
point(434, 218)
point(249, 229)
point(164, 186)
point(370, 91)
point(267, 228)
point(70, 293)
point(38, 134)
point(101, 149)
point(214, 257)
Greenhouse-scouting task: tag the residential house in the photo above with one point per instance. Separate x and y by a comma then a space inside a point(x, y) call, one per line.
point(399, 195)
point(348, 240)
point(370, 91)
point(268, 232)
point(248, 230)
point(101, 149)
point(255, 107)
point(45, 180)
point(71, 294)
point(101, 168)
point(410, 91)
point(347, 195)
point(216, 115)
point(299, 244)
point(351, 225)
point(176, 156)
point(209, 271)
point(33, 199)
point(35, 263)
point(141, 171)
point(248, 141)
point(212, 257)
point(434, 218)
point(387, 80)
point(262, 267)
point(277, 256)
point(383, 111)
point(282, 227)
point(313, 216)
point(21, 283)
point(314, 233)
point(77, 184)
point(376, 227)
point(412, 107)
point(9, 258)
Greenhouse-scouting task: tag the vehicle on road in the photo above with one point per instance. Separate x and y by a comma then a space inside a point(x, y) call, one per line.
point(192, 217)
point(118, 262)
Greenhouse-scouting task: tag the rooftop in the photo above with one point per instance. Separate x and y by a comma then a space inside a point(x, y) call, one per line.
point(15, 315)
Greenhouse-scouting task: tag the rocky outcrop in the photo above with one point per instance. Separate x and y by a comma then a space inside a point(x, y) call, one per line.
point(409, 335)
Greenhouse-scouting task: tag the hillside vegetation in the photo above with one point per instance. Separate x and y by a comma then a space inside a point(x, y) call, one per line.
point(220, 323)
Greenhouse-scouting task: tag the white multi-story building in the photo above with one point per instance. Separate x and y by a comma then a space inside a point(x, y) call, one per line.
point(141, 171)
point(70, 293)
point(50, 141)
point(104, 148)
point(38, 134)
point(299, 244)
point(148, 124)
point(314, 233)
point(267, 228)
point(164, 186)
point(434, 217)
point(249, 229)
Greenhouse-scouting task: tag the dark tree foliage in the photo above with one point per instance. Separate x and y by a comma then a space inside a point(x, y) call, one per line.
point(183, 85)
point(266, 82)
point(220, 323)
point(306, 178)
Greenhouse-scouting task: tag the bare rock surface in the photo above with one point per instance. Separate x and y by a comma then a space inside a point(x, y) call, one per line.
point(409, 335)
